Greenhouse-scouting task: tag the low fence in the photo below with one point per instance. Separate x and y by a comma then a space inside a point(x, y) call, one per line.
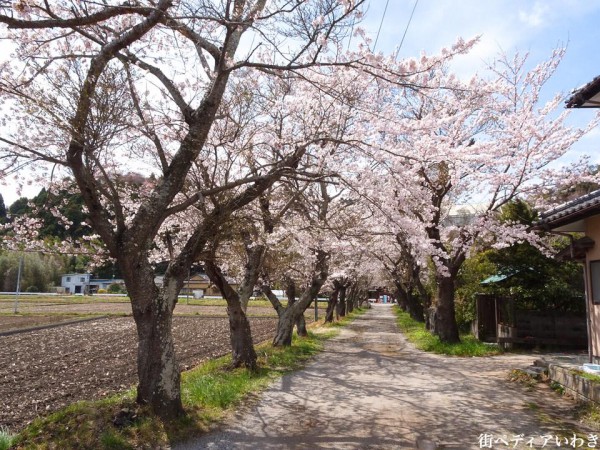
point(545, 327)
point(499, 321)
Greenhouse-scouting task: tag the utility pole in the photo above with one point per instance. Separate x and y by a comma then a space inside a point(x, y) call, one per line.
point(18, 284)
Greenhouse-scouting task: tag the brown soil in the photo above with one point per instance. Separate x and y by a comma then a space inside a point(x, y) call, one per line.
point(44, 370)
point(13, 323)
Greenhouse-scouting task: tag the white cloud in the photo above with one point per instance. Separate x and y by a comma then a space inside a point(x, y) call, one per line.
point(536, 17)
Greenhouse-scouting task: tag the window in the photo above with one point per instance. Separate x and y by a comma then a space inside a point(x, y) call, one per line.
point(82, 279)
point(68, 279)
point(595, 280)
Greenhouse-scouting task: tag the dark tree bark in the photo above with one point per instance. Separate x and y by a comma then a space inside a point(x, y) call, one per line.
point(288, 316)
point(351, 299)
point(331, 305)
point(290, 292)
point(445, 325)
point(402, 298)
point(242, 346)
point(409, 302)
point(157, 366)
point(255, 255)
point(341, 305)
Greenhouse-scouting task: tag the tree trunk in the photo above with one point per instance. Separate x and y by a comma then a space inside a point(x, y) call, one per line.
point(341, 306)
point(331, 304)
point(242, 345)
point(415, 308)
point(290, 292)
point(445, 325)
point(254, 255)
point(285, 329)
point(292, 313)
point(301, 326)
point(158, 369)
point(402, 297)
point(350, 300)
point(240, 334)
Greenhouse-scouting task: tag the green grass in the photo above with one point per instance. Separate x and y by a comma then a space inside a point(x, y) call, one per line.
point(6, 438)
point(589, 414)
point(587, 375)
point(209, 393)
point(416, 333)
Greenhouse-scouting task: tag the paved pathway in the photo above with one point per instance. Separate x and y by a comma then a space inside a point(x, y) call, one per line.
point(370, 389)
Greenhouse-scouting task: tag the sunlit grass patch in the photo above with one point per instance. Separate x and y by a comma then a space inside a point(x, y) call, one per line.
point(416, 333)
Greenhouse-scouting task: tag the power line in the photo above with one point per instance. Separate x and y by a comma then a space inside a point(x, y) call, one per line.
point(381, 23)
point(408, 24)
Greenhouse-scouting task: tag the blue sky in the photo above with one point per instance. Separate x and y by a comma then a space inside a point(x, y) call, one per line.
point(527, 26)
point(536, 27)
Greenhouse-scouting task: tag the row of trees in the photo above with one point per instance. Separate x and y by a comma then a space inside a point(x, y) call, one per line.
point(242, 135)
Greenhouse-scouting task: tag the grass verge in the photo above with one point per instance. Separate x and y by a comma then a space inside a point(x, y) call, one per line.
point(209, 393)
point(589, 414)
point(6, 438)
point(416, 333)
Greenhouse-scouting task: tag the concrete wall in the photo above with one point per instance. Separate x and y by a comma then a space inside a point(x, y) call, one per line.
point(575, 385)
point(592, 230)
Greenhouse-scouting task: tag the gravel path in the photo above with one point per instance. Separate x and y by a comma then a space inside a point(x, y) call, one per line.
point(370, 389)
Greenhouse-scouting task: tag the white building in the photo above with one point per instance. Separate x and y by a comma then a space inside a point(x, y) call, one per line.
point(76, 283)
point(83, 283)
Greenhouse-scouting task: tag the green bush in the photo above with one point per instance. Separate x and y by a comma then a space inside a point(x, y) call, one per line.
point(473, 271)
point(115, 288)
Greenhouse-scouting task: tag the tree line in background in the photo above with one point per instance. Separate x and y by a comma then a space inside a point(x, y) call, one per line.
point(41, 272)
point(269, 150)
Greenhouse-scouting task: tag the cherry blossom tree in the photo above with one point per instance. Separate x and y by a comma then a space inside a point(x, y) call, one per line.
point(406, 273)
point(98, 89)
point(453, 143)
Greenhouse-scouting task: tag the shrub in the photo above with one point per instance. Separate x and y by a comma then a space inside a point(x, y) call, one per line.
point(115, 288)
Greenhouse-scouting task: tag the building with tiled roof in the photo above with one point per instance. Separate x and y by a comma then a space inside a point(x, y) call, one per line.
point(582, 215)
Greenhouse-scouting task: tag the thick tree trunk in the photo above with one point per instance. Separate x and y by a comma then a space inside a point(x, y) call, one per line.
point(285, 329)
point(301, 326)
point(255, 255)
point(351, 299)
point(158, 369)
point(331, 306)
point(291, 314)
point(240, 334)
point(445, 325)
point(341, 306)
point(402, 298)
point(415, 308)
point(290, 292)
point(242, 345)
